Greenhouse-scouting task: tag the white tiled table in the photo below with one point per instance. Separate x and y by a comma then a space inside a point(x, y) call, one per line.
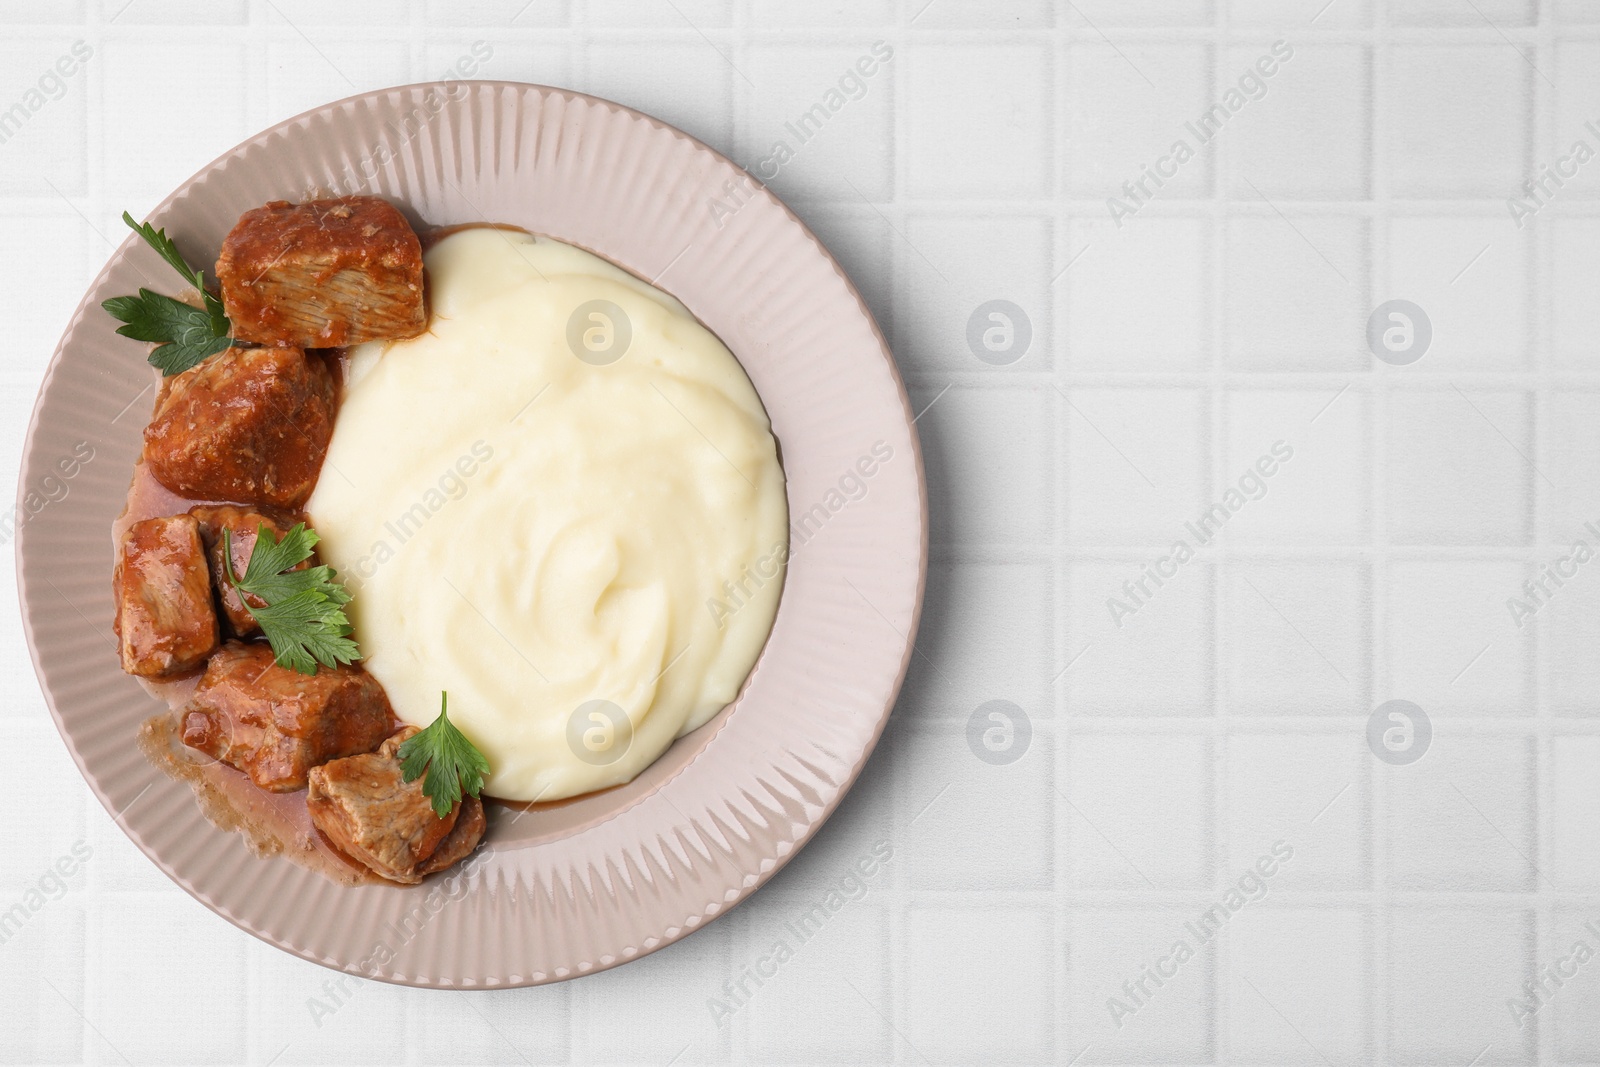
point(1227, 713)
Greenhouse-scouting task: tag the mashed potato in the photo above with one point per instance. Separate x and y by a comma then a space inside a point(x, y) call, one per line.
point(562, 505)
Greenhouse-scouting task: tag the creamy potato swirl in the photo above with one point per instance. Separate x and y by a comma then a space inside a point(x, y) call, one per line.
point(563, 505)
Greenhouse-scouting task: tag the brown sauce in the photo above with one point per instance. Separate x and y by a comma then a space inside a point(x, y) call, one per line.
point(272, 824)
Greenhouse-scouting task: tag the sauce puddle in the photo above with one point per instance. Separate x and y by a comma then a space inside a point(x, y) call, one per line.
point(272, 824)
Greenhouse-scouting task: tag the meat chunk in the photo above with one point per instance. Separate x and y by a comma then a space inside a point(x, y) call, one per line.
point(323, 274)
point(368, 809)
point(242, 525)
point(276, 724)
point(165, 621)
point(249, 424)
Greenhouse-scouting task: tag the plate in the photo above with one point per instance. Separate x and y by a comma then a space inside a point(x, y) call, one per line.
point(599, 880)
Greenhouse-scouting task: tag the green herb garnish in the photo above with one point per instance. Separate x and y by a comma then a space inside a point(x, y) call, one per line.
point(453, 763)
point(304, 619)
point(187, 334)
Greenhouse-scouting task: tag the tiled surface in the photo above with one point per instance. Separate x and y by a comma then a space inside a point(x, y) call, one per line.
point(1193, 717)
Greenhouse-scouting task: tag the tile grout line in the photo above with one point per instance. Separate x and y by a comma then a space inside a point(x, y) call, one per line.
point(1056, 311)
point(1217, 426)
point(1379, 910)
point(1537, 249)
point(1214, 448)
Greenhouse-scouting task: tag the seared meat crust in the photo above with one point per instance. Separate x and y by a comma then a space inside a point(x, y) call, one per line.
point(323, 274)
point(368, 809)
point(249, 424)
point(165, 620)
point(276, 724)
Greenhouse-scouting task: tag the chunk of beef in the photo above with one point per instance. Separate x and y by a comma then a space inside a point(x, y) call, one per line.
point(249, 424)
point(276, 724)
point(242, 525)
point(165, 621)
point(323, 274)
point(367, 808)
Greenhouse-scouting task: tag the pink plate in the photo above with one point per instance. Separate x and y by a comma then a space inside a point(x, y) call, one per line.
point(611, 877)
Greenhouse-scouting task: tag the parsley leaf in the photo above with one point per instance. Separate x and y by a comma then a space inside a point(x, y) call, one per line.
point(158, 240)
point(304, 620)
point(187, 334)
point(453, 763)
